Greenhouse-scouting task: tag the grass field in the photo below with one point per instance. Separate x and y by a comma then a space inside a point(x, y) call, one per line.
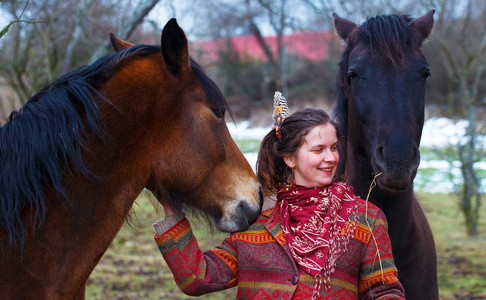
point(132, 268)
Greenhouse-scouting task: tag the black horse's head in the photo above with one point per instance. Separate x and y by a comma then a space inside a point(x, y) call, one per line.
point(381, 82)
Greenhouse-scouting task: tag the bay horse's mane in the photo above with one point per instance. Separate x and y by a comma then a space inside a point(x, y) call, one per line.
point(48, 131)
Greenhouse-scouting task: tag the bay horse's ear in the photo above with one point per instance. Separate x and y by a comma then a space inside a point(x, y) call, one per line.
point(118, 43)
point(423, 25)
point(343, 27)
point(175, 50)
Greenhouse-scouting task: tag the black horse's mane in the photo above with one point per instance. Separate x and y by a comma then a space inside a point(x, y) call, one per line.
point(48, 131)
point(387, 35)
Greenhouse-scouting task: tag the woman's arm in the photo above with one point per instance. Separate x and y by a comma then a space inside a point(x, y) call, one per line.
point(195, 272)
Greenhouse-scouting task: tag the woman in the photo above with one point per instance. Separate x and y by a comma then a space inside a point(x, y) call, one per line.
point(319, 241)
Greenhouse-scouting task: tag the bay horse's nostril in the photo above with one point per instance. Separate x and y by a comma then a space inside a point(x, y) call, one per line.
point(261, 198)
point(239, 215)
point(247, 212)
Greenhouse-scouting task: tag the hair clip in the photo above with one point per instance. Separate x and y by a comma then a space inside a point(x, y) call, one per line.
point(280, 112)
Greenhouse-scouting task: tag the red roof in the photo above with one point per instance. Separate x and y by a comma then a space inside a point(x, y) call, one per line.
point(311, 45)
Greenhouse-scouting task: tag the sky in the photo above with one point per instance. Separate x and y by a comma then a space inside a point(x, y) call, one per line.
point(3, 19)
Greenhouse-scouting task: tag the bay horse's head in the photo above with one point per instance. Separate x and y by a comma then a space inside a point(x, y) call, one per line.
point(189, 155)
point(381, 83)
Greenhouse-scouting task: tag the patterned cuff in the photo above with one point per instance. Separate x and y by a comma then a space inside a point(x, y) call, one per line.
point(166, 223)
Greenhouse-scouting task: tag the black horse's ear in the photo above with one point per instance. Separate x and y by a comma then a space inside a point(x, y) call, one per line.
point(175, 49)
point(118, 43)
point(423, 25)
point(343, 27)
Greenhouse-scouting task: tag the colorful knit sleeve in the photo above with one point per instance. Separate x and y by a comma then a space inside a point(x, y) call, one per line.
point(378, 274)
point(195, 272)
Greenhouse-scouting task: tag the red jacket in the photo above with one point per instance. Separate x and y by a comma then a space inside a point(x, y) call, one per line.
point(259, 262)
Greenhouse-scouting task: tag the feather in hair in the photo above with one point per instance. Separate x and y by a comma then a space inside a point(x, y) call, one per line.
point(280, 112)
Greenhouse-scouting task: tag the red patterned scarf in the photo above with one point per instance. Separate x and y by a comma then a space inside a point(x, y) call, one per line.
point(312, 219)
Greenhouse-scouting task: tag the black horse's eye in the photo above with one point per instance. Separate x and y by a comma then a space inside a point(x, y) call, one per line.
point(426, 73)
point(352, 74)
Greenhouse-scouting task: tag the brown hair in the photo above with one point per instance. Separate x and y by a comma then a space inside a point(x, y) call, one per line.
point(272, 171)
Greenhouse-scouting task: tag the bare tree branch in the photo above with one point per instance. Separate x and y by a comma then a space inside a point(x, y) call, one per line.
point(138, 15)
point(18, 20)
point(75, 36)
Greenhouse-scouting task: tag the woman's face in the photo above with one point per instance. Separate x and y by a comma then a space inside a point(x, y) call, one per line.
point(315, 162)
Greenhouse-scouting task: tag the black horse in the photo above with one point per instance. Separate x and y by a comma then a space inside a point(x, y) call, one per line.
point(381, 85)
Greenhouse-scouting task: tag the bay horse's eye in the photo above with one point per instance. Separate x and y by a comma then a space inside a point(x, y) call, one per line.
point(218, 112)
point(426, 73)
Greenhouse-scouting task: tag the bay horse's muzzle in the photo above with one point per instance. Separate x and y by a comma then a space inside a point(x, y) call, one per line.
point(240, 214)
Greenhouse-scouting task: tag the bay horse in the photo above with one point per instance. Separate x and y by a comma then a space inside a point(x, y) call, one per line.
point(380, 108)
point(76, 156)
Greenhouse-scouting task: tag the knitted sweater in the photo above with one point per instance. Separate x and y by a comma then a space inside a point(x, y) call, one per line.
point(259, 262)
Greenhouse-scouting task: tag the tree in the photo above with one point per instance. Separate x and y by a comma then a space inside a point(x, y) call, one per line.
point(279, 19)
point(17, 20)
point(226, 19)
point(461, 41)
point(135, 18)
point(34, 54)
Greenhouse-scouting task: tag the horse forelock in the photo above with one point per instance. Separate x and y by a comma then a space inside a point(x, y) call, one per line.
point(48, 133)
point(390, 35)
point(216, 98)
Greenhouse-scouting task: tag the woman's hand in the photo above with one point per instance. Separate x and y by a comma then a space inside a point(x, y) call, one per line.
point(168, 210)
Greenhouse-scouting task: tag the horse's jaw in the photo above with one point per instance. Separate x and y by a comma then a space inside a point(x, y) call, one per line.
point(393, 189)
